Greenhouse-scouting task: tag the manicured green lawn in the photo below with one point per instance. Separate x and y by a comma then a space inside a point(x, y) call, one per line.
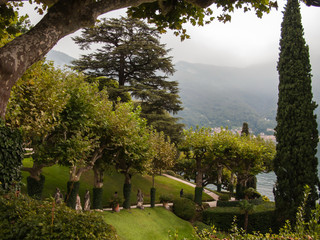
point(150, 223)
point(57, 176)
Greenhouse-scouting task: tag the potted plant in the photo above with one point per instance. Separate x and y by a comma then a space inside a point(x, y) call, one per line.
point(165, 199)
point(114, 204)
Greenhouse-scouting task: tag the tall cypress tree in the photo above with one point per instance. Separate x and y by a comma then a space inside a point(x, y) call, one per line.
point(296, 131)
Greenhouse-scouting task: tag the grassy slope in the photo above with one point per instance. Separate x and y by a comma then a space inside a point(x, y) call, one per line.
point(57, 176)
point(150, 223)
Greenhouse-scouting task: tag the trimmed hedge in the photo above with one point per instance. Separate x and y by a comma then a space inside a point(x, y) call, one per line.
point(97, 198)
point(126, 195)
point(152, 197)
point(262, 219)
point(26, 218)
point(72, 192)
point(198, 195)
point(220, 203)
point(34, 187)
point(184, 208)
point(227, 203)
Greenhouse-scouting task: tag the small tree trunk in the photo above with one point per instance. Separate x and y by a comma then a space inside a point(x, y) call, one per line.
point(152, 197)
point(35, 181)
point(152, 180)
point(199, 181)
point(219, 178)
point(246, 220)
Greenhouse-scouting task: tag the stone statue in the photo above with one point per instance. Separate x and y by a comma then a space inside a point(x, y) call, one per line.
point(140, 199)
point(87, 201)
point(58, 196)
point(78, 203)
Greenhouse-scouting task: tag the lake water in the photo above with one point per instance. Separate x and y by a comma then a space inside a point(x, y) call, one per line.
point(265, 183)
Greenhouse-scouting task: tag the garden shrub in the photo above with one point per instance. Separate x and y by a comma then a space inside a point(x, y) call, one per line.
point(165, 198)
point(126, 194)
point(34, 187)
point(184, 208)
point(97, 198)
point(252, 193)
point(72, 192)
point(152, 197)
point(188, 195)
point(227, 203)
point(26, 218)
point(236, 203)
point(262, 219)
point(224, 196)
point(198, 195)
point(171, 173)
point(11, 155)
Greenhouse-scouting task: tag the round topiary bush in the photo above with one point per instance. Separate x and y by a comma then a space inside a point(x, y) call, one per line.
point(23, 217)
point(184, 208)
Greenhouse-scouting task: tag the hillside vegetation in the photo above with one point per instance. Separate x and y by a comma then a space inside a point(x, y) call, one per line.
point(216, 96)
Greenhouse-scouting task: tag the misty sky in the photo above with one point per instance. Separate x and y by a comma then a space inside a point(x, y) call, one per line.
point(246, 41)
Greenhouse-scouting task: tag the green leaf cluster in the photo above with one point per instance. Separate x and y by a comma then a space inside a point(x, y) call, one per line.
point(243, 155)
point(25, 218)
point(132, 55)
point(11, 155)
point(296, 131)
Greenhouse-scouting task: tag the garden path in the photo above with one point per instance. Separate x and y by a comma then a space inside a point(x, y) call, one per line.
point(210, 193)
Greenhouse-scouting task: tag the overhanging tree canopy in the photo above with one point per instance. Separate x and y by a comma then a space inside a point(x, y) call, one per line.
point(66, 16)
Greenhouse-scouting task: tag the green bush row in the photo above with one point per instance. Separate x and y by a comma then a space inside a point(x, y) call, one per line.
point(220, 203)
point(25, 218)
point(262, 219)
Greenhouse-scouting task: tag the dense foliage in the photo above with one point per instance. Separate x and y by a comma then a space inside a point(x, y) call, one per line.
point(261, 219)
point(131, 54)
point(217, 157)
point(296, 132)
point(25, 218)
point(184, 208)
point(11, 155)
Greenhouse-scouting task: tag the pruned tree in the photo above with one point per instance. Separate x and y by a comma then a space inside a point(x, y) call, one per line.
point(80, 137)
point(129, 145)
point(35, 104)
point(163, 154)
point(196, 148)
point(296, 131)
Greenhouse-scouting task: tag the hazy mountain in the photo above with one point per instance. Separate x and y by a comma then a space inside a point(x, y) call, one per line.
point(227, 96)
point(59, 58)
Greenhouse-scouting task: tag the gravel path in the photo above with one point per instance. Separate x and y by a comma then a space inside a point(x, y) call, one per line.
point(210, 193)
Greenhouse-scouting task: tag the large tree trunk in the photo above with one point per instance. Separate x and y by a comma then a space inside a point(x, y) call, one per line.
point(63, 18)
